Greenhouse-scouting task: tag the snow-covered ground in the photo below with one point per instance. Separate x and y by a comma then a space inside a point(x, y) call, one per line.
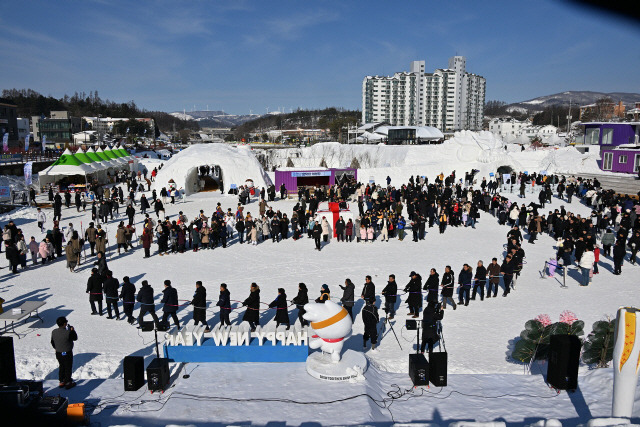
point(484, 384)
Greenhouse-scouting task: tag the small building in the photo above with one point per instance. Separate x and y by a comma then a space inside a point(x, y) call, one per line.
point(292, 178)
point(619, 145)
point(8, 121)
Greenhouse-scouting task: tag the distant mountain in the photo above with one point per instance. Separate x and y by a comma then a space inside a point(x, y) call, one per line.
point(577, 98)
point(216, 119)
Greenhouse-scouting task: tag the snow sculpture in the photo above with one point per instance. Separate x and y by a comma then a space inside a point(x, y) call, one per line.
point(626, 361)
point(331, 324)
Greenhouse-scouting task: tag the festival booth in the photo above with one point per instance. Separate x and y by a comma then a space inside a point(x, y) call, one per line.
point(292, 178)
point(69, 169)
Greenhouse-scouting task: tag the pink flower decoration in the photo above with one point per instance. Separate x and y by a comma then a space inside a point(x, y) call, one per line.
point(568, 317)
point(544, 319)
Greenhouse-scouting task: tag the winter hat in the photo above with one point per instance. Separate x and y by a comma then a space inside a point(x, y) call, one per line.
point(413, 273)
point(324, 287)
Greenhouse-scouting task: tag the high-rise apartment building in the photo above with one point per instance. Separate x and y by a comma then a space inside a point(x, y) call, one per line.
point(448, 99)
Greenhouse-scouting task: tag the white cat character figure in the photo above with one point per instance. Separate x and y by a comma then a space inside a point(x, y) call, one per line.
point(331, 325)
point(626, 361)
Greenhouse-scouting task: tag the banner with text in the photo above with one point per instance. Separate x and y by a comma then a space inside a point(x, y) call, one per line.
point(26, 142)
point(5, 142)
point(27, 172)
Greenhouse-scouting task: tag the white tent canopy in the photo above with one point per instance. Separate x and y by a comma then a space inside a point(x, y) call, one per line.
point(237, 164)
point(66, 165)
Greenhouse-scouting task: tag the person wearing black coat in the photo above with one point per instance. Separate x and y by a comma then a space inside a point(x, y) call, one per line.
point(252, 314)
point(370, 318)
point(479, 281)
point(275, 229)
point(128, 297)
point(101, 265)
point(506, 269)
point(414, 289)
point(199, 303)
point(390, 295)
point(348, 296)
point(432, 286)
point(13, 256)
point(619, 252)
point(282, 312)
point(224, 302)
point(170, 301)
point(94, 289)
point(131, 213)
point(464, 280)
point(448, 280)
point(369, 290)
point(430, 318)
point(317, 233)
point(145, 298)
point(110, 289)
point(300, 300)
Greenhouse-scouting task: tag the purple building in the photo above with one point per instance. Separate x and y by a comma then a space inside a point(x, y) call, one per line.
point(292, 178)
point(619, 145)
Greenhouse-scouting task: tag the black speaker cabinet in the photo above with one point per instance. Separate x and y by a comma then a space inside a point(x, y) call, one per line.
point(438, 369)
point(418, 369)
point(7, 361)
point(158, 374)
point(147, 326)
point(133, 367)
point(564, 359)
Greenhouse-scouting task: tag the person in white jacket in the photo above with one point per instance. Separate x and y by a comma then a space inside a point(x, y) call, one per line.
point(69, 232)
point(586, 264)
point(41, 218)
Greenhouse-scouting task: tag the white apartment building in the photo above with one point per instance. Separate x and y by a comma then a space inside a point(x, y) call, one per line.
point(448, 99)
point(509, 129)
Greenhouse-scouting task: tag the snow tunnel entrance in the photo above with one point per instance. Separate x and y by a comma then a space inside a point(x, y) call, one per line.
point(504, 169)
point(205, 178)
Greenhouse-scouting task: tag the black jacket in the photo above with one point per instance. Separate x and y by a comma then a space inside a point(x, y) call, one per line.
point(481, 275)
point(199, 298)
point(390, 291)
point(414, 288)
point(252, 313)
point(369, 291)
point(301, 299)
point(110, 288)
point(128, 292)
point(170, 300)
point(448, 280)
point(465, 276)
point(432, 287)
point(348, 295)
point(94, 287)
point(102, 266)
point(145, 297)
point(280, 304)
point(224, 300)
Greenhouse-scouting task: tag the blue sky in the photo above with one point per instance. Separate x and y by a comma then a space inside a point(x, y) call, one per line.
point(253, 55)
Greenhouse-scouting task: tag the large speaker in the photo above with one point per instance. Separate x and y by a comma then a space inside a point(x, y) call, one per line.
point(133, 367)
point(7, 361)
point(438, 369)
point(418, 369)
point(158, 374)
point(564, 359)
point(147, 326)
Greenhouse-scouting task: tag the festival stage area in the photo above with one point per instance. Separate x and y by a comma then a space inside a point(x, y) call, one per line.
point(264, 394)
